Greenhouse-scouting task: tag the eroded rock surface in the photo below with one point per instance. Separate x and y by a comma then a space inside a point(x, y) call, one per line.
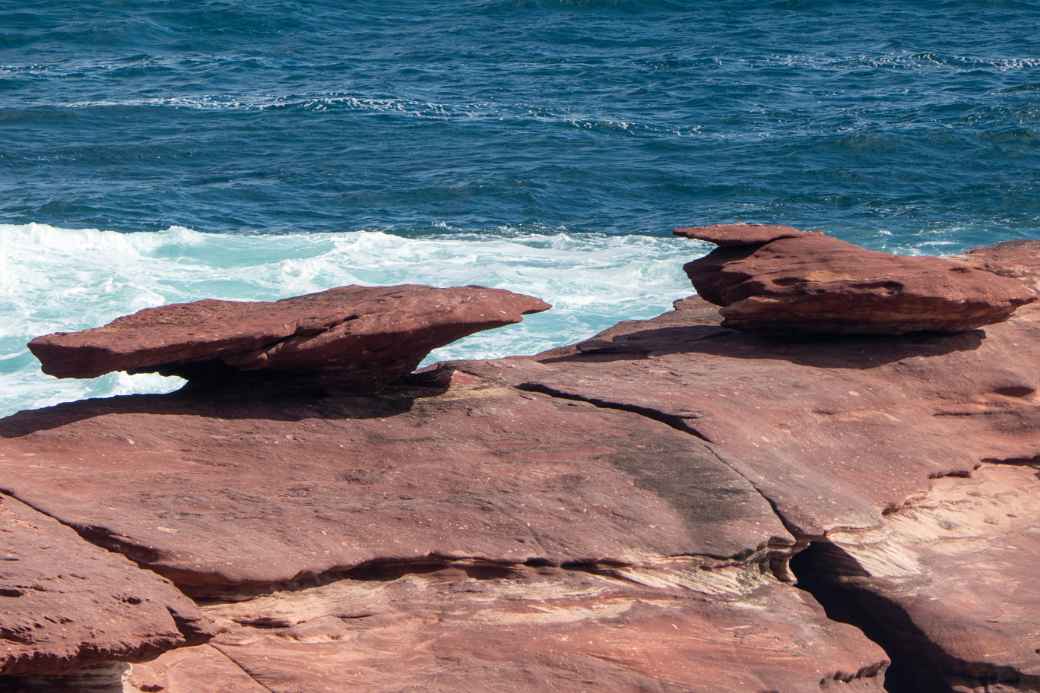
point(832, 432)
point(582, 546)
point(358, 335)
point(782, 283)
point(1015, 259)
point(736, 235)
point(662, 507)
point(220, 493)
point(677, 627)
point(66, 605)
point(947, 582)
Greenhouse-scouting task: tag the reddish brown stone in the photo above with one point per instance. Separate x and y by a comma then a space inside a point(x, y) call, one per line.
point(947, 582)
point(815, 284)
point(833, 431)
point(736, 235)
point(360, 335)
point(67, 605)
point(685, 628)
point(614, 515)
point(195, 669)
point(1017, 259)
point(221, 491)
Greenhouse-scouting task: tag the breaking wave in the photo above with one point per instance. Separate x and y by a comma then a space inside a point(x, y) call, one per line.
point(55, 279)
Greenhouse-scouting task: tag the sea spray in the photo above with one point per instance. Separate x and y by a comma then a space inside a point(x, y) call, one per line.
point(67, 279)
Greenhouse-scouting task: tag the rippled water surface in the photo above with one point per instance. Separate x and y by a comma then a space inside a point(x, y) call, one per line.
point(260, 149)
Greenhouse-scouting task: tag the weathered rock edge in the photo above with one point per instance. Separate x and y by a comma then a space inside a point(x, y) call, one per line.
point(364, 336)
point(831, 438)
point(68, 605)
point(779, 280)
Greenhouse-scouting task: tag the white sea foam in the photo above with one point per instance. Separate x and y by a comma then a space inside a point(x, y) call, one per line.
point(63, 279)
point(395, 105)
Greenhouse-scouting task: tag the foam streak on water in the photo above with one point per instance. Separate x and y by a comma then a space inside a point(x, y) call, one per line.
point(60, 279)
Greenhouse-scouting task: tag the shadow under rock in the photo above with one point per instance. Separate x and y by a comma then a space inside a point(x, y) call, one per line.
point(859, 352)
point(247, 400)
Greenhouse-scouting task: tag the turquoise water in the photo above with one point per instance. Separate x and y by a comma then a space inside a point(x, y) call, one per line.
point(159, 151)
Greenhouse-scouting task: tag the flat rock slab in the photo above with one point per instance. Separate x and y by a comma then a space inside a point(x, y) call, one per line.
point(536, 630)
point(737, 235)
point(948, 582)
point(816, 284)
point(217, 492)
point(617, 514)
point(833, 432)
point(1015, 259)
point(67, 605)
point(194, 669)
point(362, 335)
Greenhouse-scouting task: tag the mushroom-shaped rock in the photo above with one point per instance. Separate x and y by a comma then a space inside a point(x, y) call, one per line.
point(358, 335)
point(780, 282)
point(733, 235)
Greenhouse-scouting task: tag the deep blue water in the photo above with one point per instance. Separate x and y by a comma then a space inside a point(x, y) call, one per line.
point(599, 115)
point(550, 131)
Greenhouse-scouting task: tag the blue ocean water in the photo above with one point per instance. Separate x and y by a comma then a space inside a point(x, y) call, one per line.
point(159, 150)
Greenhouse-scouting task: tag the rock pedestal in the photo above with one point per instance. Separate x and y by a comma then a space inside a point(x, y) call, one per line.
point(357, 335)
point(775, 279)
point(671, 505)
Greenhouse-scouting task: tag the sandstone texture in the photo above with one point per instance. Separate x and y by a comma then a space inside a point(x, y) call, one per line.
point(671, 505)
point(1016, 259)
point(774, 280)
point(463, 626)
point(356, 334)
point(735, 235)
point(217, 493)
point(947, 582)
point(67, 605)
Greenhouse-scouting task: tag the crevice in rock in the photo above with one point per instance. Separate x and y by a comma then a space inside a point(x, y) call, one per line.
point(211, 590)
point(100, 678)
point(302, 332)
point(676, 422)
point(475, 568)
point(98, 536)
point(192, 631)
point(219, 368)
point(1017, 461)
point(842, 587)
point(242, 668)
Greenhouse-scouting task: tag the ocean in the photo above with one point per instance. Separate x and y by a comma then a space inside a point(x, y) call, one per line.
point(160, 151)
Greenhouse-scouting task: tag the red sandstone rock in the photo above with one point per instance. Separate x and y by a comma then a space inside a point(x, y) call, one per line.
point(66, 605)
point(1016, 259)
point(227, 497)
point(534, 629)
point(834, 431)
point(947, 582)
point(736, 235)
point(224, 491)
point(615, 515)
point(360, 335)
point(815, 284)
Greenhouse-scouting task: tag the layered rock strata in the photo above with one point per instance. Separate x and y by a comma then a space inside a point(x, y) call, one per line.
point(67, 606)
point(358, 335)
point(778, 280)
point(671, 505)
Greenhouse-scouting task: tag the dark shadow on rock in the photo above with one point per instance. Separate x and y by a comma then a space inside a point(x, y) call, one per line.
point(857, 352)
point(249, 400)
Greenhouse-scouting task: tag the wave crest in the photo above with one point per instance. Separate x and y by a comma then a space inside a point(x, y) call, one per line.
point(67, 279)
